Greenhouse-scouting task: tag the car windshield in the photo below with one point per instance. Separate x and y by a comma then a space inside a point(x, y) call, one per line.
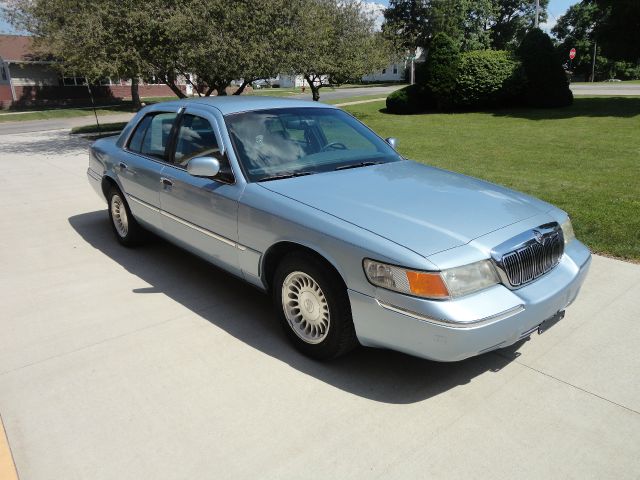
point(284, 142)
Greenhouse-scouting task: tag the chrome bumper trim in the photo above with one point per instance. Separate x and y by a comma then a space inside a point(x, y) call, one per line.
point(452, 324)
point(93, 174)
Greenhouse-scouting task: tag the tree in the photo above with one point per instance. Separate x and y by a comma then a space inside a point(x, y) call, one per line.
point(512, 20)
point(476, 24)
point(581, 27)
point(334, 39)
point(208, 43)
point(442, 70)
point(575, 29)
point(90, 38)
point(619, 29)
point(546, 85)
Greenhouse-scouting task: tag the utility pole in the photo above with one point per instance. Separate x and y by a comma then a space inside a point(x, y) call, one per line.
point(537, 13)
point(593, 65)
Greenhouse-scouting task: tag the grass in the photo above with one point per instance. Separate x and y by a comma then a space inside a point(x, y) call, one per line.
point(104, 127)
point(359, 98)
point(585, 158)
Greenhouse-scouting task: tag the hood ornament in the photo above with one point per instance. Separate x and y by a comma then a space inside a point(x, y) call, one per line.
point(538, 236)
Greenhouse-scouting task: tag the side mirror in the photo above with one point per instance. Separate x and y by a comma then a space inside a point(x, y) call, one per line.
point(393, 142)
point(203, 167)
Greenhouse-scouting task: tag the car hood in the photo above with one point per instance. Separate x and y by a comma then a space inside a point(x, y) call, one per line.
point(423, 208)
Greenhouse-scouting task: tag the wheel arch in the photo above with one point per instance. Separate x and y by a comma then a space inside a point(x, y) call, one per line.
point(107, 183)
point(276, 252)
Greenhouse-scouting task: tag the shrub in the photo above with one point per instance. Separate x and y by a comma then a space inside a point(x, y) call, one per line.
point(410, 99)
point(488, 78)
point(547, 84)
point(442, 69)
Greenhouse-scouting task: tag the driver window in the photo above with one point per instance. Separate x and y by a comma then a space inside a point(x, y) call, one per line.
point(195, 138)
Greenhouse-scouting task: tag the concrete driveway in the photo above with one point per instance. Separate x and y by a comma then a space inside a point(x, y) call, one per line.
point(147, 363)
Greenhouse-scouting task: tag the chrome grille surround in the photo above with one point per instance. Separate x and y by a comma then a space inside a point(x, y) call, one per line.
point(526, 257)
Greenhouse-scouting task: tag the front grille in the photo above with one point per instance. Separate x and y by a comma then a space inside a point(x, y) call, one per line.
point(534, 259)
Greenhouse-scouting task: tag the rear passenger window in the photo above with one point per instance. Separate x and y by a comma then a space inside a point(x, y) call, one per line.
point(135, 145)
point(152, 135)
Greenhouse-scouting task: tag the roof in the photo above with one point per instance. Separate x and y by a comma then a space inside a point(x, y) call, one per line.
point(229, 104)
point(17, 48)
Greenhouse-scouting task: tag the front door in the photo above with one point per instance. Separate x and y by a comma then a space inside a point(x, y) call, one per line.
point(200, 213)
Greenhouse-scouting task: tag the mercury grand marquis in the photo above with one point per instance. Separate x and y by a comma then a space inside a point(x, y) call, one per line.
point(355, 244)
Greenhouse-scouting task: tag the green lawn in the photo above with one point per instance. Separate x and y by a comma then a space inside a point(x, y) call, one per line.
point(359, 98)
point(104, 127)
point(584, 159)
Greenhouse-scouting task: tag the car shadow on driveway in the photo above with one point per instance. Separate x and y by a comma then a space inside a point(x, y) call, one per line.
point(245, 313)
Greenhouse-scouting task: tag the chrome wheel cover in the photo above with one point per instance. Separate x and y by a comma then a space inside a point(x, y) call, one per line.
point(305, 307)
point(119, 216)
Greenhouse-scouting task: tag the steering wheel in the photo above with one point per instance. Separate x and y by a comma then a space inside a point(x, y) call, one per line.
point(336, 145)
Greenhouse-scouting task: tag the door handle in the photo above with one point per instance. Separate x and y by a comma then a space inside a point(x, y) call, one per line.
point(166, 181)
point(122, 165)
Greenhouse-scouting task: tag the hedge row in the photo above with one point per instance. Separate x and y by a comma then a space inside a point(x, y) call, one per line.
point(450, 80)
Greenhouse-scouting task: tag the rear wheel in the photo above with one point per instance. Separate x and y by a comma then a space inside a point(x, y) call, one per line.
point(313, 307)
point(126, 228)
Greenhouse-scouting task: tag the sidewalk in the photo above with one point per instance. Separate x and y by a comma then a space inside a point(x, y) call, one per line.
point(8, 128)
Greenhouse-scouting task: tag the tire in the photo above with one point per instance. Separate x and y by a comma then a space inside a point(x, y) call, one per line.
point(317, 317)
point(125, 227)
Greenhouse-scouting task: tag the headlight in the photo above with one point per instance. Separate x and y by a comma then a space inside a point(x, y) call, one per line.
point(453, 282)
point(567, 231)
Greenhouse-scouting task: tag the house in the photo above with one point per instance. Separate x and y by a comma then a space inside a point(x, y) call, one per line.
point(26, 79)
point(395, 72)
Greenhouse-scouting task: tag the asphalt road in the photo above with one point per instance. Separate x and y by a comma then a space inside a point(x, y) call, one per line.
point(121, 363)
point(613, 88)
point(68, 123)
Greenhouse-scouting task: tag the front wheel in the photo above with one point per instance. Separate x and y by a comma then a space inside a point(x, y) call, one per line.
point(313, 307)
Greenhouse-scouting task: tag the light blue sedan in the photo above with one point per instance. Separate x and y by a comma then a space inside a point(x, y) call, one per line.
point(355, 244)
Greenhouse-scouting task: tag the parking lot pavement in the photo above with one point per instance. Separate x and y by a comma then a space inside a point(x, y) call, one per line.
point(148, 363)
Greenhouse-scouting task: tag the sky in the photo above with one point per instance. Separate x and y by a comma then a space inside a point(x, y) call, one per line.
point(556, 9)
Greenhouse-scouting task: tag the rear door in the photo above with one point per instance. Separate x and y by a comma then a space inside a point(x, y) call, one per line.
point(201, 213)
point(140, 166)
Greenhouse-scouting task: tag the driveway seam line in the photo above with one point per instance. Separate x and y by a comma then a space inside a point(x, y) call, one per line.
point(90, 345)
point(577, 387)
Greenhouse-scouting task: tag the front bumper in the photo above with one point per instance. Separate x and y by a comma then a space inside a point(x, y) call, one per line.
point(457, 329)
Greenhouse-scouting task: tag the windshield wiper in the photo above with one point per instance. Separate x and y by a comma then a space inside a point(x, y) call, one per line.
point(285, 175)
point(356, 165)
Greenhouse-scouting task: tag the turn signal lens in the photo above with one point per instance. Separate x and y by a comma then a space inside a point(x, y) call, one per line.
point(426, 284)
point(410, 282)
point(451, 283)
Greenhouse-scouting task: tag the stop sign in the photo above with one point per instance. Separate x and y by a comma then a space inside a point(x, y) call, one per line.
point(572, 53)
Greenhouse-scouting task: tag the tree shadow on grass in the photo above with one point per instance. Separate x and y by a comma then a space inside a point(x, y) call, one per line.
point(597, 107)
point(245, 313)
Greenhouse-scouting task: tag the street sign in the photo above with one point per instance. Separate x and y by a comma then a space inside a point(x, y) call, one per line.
point(572, 53)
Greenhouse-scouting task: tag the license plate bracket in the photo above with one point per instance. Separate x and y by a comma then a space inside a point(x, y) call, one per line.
point(550, 322)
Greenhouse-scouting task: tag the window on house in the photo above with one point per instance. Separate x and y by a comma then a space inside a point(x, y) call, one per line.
point(384, 70)
point(4, 72)
point(73, 81)
point(395, 69)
